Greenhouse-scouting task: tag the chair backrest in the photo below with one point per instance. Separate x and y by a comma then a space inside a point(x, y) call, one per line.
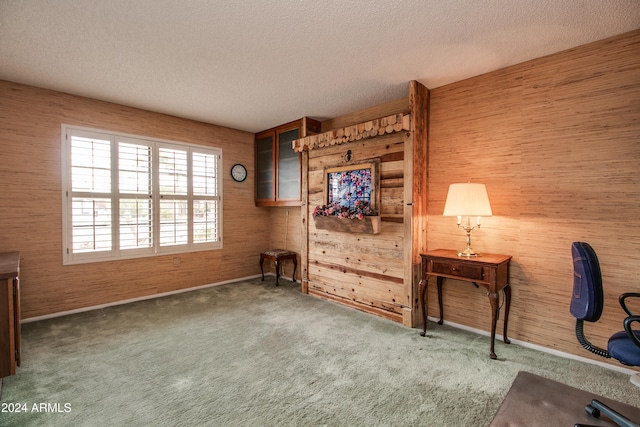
point(588, 297)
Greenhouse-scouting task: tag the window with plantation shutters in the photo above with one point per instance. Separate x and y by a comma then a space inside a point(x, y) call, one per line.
point(126, 196)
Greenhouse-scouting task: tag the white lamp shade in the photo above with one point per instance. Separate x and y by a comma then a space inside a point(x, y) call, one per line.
point(467, 199)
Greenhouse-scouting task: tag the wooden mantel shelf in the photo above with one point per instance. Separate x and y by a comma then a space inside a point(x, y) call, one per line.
point(372, 128)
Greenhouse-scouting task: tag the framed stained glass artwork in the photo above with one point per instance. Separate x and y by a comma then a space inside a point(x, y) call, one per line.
point(350, 186)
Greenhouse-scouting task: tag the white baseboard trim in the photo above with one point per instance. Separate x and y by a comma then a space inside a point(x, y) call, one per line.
point(541, 348)
point(143, 298)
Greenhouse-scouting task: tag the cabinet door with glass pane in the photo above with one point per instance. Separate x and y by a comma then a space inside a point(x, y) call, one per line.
point(265, 158)
point(278, 166)
point(288, 183)
point(278, 169)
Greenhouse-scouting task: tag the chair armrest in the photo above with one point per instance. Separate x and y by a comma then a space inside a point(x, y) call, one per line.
point(623, 297)
point(627, 327)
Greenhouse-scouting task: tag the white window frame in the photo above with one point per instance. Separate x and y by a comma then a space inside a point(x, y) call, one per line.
point(155, 248)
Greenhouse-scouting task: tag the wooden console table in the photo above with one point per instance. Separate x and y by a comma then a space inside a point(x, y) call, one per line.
point(488, 270)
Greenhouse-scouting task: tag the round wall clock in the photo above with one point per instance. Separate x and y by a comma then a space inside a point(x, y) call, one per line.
point(238, 172)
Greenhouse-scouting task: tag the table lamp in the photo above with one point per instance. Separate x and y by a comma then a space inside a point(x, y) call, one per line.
point(470, 200)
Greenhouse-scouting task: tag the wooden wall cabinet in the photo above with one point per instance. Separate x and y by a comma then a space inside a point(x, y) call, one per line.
point(278, 165)
point(9, 313)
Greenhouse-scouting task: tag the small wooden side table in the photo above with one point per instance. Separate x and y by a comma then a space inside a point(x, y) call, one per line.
point(488, 270)
point(279, 255)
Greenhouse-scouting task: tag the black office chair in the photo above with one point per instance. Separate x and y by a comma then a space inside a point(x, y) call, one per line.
point(587, 302)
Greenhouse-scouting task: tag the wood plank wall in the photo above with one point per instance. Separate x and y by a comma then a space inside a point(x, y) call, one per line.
point(557, 142)
point(30, 215)
point(362, 270)
point(293, 232)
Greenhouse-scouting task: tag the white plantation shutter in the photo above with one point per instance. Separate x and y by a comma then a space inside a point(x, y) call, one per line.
point(126, 196)
point(206, 197)
point(135, 203)
point(174, 211)
point(91, 219)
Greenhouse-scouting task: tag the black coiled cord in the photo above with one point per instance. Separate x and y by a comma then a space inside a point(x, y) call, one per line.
point(585, 342)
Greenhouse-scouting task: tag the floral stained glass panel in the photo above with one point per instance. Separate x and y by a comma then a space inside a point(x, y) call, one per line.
point(347, 187)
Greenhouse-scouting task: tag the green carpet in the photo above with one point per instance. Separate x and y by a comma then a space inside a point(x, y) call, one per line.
point(252, 354)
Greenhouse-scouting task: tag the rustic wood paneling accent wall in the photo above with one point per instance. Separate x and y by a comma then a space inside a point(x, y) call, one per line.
point(365, 271)
point(557, 142)
point(362, 270)
point(30, 215)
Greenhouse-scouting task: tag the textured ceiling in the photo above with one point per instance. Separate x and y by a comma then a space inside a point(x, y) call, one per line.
point(255, 64)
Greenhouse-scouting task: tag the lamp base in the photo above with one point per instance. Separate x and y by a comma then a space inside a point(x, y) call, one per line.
point(468, 252)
